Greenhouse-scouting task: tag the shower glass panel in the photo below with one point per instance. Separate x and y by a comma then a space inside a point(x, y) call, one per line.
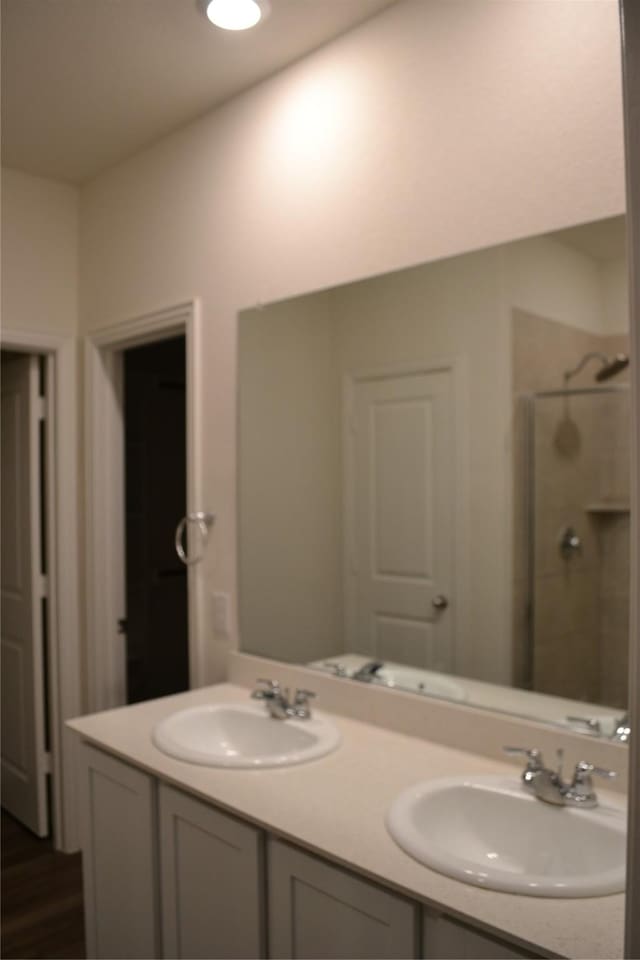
point(578, 543)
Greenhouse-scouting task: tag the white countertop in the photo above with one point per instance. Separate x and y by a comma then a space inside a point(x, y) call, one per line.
point(336, 805)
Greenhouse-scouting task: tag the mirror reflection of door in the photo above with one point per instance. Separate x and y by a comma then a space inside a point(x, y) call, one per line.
point(401, 518)
point(24, 756)
point(156, 581)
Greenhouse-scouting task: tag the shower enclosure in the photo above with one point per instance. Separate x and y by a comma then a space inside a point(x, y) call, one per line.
point(572, 543)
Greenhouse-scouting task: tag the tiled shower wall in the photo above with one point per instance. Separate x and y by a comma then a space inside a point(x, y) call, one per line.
point(580, 479)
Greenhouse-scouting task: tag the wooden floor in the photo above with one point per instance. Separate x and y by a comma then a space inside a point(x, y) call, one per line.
point(41, 898)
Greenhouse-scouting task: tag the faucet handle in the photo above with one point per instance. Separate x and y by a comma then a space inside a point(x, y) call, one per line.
point(584, 771)
point(301, 706)
point(592, 726)
point(581, 792)
point(266, 689)
point(532, 754)
point(303, 696)
point(534, 762)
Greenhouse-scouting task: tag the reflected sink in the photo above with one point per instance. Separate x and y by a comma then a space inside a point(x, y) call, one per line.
point(489, 831)
point(243, 735)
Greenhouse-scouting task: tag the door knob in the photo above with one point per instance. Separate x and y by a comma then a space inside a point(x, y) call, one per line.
point(439, 602)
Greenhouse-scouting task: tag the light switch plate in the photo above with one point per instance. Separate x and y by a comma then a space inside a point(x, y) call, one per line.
point(221, 614)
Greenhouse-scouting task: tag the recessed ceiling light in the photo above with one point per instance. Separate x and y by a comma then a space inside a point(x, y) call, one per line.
point(236, 14)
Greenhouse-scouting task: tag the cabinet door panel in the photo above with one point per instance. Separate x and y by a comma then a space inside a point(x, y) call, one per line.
point(212, 881)
point(119, 867)
point(446, 939)
point(317, 910)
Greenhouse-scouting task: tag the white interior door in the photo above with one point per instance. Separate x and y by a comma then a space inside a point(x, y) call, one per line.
point(401, 507)
point(24, 760)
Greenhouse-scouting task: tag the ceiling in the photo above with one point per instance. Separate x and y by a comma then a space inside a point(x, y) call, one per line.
point(87, 83)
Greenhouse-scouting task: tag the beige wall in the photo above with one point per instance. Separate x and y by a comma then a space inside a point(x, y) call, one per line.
point(432, 129)
point(289, 484)
point(39, 254)
point(615, 292)
point(550, 279)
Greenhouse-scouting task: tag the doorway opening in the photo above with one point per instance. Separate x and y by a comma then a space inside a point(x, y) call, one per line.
point(40, 611)
point(156, 619)
point(127, 659)
point(26, 787)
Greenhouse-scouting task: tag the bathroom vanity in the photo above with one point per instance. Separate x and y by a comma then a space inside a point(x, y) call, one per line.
point(182, 860)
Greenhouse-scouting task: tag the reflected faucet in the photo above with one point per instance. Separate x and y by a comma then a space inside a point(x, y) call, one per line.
point(367, 671)
point(621, 732)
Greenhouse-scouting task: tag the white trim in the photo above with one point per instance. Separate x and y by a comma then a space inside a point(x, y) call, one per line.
point(36, 579)
point(457, 367)
point(63, 565)
point(105, 492)
point(195, 491)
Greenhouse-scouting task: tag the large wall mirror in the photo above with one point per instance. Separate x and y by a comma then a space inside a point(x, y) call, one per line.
point(434, 479)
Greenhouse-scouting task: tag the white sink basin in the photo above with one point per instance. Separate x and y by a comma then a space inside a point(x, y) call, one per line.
point(243, 735)
point(490, 831)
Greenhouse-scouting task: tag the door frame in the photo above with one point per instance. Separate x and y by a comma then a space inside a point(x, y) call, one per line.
point(457, 367)
point(105, 500)
point(63, 565)
point(630, 24)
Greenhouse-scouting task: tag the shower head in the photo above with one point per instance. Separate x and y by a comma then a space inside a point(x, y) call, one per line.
point(608, 367)
point(613, 366)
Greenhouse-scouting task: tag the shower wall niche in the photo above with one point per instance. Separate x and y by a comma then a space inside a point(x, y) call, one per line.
point(571, 544)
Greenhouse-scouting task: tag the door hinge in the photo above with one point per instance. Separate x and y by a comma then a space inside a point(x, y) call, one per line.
point(47, 765)
point(44, 586)
point(122, 625)
point(42, 408)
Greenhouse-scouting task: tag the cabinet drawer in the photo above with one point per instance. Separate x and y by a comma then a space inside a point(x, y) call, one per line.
point(318, 910)
point(212, 880)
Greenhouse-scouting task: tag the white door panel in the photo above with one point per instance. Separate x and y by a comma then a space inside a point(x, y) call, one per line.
point(400, 461)
point(405, 641)
point(22, 747)
point(400, 506)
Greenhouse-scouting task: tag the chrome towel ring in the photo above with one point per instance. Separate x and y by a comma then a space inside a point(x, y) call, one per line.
point(204, 522)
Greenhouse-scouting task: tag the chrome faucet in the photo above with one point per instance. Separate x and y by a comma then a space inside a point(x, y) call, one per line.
point(548, 785)
point(621, 732)
point(277, 701)
point(336, 668)
point(367, 671)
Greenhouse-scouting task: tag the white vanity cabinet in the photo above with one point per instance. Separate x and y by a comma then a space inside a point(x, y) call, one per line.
point(119, 865)
point(318, 910)
point(164, 874)
point(168, 875)
point(211, 881)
